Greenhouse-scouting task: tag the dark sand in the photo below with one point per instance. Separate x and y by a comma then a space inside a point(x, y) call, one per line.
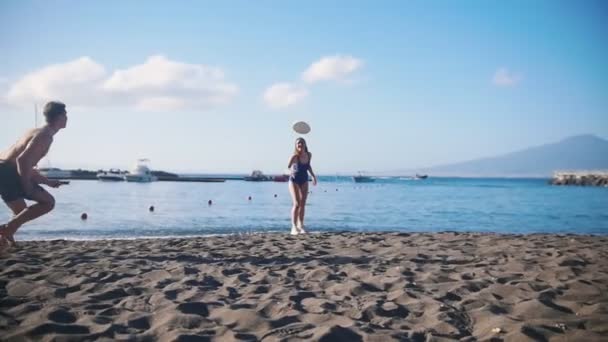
point(323, 287)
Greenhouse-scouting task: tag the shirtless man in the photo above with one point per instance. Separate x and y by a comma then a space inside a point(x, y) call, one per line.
point(19, 180)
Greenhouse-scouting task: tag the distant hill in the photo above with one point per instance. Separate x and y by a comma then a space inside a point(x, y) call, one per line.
point(582, 152)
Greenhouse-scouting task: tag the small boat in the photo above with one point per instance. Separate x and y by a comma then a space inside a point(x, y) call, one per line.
point(257, 176)
point(360, 178)
point(363, 179)
point(55, 173)
point(421, 176)
point(281, 178)
point(113, 175)
point(140, 173)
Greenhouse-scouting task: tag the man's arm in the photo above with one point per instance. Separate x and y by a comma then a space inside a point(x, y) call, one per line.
point(34, 151)
point(38, 178)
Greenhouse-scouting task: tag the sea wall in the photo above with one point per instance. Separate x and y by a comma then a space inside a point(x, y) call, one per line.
point(581, 178)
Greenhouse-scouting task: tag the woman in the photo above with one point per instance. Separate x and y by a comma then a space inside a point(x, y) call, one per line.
point(298, 184)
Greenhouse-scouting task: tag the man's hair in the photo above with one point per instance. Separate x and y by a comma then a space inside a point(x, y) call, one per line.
point(53, 109)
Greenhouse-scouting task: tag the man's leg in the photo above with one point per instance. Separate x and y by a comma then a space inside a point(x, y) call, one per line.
point(45, 203)
point(16, 206)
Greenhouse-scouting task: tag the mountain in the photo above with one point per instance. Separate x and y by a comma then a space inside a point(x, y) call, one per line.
point(581, 152)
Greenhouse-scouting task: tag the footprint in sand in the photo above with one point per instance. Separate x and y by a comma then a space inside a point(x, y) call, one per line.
point(196, 308)
point(54, 328)
point(62, 316)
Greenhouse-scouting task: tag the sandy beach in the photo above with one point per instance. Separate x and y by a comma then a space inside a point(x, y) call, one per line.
point(323, 287)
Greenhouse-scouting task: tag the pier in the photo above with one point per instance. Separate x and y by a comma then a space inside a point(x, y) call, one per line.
point(192, 179)
point(161, 176)
point(580, 178)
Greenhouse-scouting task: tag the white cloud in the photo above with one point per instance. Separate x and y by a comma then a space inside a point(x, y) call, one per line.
point(505, 78)
point(171, 85)
point(160, 103)
point(281, 95)
point(331, 68)
point(71, 82)
point(158, 84)
point(4, 84)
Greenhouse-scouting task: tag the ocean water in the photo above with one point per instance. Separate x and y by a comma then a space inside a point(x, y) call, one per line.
point(120, 210)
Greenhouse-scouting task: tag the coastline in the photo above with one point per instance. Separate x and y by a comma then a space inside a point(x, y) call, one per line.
point(252, 234)
point(334, 286)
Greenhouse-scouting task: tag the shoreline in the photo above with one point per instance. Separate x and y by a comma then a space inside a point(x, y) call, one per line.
point(286, 232)
point(337, 286)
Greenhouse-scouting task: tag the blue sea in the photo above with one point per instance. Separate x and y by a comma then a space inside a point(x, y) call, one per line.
point(121, 210)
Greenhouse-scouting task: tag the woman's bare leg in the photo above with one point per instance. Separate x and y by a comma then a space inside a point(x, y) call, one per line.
point(303, 196)
point(294, 190)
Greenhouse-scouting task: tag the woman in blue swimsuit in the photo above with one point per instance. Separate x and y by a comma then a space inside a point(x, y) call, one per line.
point(298, 184)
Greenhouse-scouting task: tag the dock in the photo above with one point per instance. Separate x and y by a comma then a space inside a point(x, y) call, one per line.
point(580, 178)
point(160, 179)
point(161, 176)
point(192, 179)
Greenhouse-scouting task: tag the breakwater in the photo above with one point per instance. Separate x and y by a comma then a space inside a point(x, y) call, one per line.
point(160, 176)
point(581, 178)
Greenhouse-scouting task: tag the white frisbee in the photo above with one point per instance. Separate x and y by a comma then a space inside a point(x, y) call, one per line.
point(301, 127)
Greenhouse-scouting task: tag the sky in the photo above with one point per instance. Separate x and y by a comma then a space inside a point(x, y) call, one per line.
point(214, 86)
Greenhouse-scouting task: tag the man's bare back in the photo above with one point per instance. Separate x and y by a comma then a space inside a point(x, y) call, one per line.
point(41, 135)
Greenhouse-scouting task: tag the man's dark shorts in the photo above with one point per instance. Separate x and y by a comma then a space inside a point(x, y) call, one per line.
point(10, 183)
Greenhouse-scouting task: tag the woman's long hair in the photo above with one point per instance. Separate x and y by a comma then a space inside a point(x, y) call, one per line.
point(295, 148)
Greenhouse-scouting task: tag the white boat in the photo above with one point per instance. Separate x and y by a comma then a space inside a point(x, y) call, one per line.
point(140, 173)
point(55, 173)
point(113, 175)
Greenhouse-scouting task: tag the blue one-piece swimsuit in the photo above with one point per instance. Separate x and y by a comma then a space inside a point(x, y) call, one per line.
point(299, 173)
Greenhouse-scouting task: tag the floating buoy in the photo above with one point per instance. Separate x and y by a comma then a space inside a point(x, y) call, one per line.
point(84, 216)
point(151, 208)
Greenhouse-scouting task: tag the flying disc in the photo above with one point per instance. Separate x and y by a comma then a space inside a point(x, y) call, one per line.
point(301, 127)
